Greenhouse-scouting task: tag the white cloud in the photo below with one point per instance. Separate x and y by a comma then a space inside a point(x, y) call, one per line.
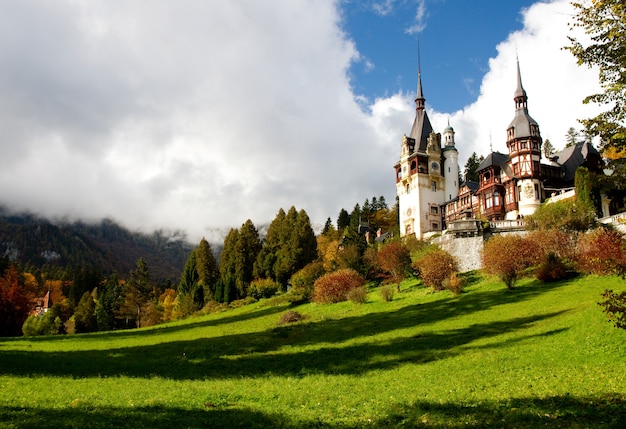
point(555, 85)
point(196, 115)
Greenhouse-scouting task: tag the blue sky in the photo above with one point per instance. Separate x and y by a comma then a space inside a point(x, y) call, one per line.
point(196, 116)
point(457, 38)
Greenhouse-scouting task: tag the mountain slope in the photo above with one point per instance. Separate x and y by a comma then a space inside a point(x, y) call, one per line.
point(40, 243)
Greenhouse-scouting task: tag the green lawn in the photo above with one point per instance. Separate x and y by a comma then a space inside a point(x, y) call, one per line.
point(541, 355)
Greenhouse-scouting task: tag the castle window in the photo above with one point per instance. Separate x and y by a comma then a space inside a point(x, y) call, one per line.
point(434, 210)
point(408, 188)
point(433, 186)
point(434, 226)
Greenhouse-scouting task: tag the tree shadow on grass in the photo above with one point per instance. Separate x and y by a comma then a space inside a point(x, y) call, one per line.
point(86, 417)
point(312, 350)
point(162, 329)
point(608, 411)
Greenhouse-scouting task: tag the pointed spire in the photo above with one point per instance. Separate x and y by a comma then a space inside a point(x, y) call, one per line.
point(520, 96)
point(420, 101)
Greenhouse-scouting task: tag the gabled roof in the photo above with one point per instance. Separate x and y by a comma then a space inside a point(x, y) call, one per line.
point(573, 157)
point(494, 158)
point(471, 185)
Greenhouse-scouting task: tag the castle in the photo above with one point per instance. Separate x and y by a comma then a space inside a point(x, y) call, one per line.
point(510, 186)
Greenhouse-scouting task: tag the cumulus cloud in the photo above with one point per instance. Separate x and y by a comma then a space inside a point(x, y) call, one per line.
point(555, 85)
point(195, 115)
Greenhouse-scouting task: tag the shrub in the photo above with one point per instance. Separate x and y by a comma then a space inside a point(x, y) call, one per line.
point(454, 284)
point(553, 269)
point(434, 267)
point(600, 252)
point(386, 292)
point(507, 256)
point(302, 281)
point(395, 260)
point(357, 295)
point(566, 215)
point(241, 302)
point(290, 317)
point(263, 288)
point(333, 287)
point(561, 243)
point(615, 307)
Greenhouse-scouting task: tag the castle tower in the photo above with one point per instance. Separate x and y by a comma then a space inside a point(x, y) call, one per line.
point(420, 183)
point(450, 164)
point(524, 145)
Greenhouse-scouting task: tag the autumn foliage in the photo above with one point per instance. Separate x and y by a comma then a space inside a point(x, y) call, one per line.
point(507, 256)
point(14, 304)
point(394, 260)
point(334, 287)
point(435, 267)
point(601, 252)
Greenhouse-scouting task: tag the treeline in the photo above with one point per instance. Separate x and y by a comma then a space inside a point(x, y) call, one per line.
point(250, 267)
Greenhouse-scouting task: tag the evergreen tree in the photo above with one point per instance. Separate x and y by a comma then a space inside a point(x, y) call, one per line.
point(247, 249)
point(239, 258)
point(470, 173)
point(285, 254)
point(328, 227)
point(571, 137)
point(548, 149)
point(343, 220)
point(190, 294)
point(85, 314)
point(137, 292)
point(366, 211)
point(227, 261)
point(109, 301)
point(587, 190)
point(208, 271)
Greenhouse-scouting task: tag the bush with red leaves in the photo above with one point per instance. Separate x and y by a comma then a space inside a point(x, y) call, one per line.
point(334, 287)
point(601, 252)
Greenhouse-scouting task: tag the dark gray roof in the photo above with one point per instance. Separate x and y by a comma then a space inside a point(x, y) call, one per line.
point(573, 157)
point(494, 158)
point(522, 121)
point(473, 186)
point(421, 128)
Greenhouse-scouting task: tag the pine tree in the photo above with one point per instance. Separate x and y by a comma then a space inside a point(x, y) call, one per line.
point(470, 173)
point(137, 292)
point(571, 137)
point(208, 271)
point(190, 295)
point(328, 227)
point(548, 149)
point(343, 220)
point(85, 314)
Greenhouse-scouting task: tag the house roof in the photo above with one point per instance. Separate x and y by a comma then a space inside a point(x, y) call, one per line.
point(522, 121)
point(494, 158)
point(573, 157)
point(421, 128)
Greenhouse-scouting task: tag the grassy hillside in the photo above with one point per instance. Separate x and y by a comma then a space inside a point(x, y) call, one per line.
point(541, 355)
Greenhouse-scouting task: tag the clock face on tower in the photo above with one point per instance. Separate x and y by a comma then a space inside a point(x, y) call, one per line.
point(434, 165)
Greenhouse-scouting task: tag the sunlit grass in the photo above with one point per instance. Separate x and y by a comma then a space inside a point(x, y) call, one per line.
point(541, 355)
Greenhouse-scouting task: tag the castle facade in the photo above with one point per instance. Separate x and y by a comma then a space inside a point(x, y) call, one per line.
point(510, 186)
